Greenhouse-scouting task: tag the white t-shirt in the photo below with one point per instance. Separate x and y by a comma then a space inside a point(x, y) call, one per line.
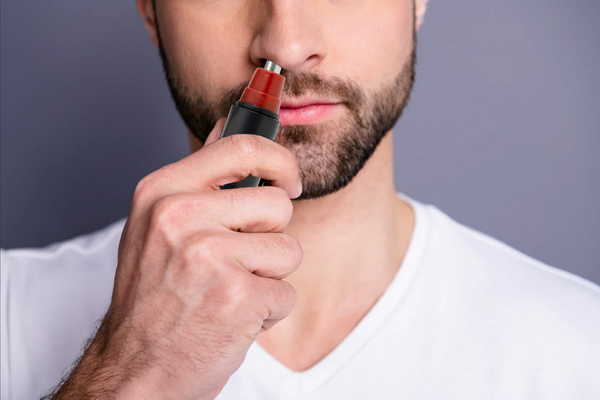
point(465, 317)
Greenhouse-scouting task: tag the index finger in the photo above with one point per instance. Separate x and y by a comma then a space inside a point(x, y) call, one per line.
point(235, 157)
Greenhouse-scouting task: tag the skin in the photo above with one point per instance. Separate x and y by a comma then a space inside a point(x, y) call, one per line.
point(204, 272)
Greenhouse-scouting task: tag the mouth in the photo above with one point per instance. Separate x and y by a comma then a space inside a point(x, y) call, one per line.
point(306, 111)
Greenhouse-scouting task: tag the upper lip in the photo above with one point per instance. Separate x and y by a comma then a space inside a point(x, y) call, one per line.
point(306, 101)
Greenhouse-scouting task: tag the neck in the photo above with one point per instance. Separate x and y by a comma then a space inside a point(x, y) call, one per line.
point(354, 236)
point(353, 242)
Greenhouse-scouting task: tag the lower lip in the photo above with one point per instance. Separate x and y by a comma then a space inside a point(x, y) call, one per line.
point(308, 115)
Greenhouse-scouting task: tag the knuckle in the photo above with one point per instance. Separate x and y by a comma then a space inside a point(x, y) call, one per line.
point(295, 251)
point(169, 215)
point(285, 244)
point(235, 198)
point(143, 189)
point(287, 296)
point(201, 248)
point(246, 145)
point(280, 203)
point(164, 212)
point(278, 195)
point(286, 208)
point(290, 252)
point(165, 206)
point(160, 221)
point(196, 262)
point(239, 289)
point(235, 297)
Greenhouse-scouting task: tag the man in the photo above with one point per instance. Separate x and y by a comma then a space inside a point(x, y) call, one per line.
point(327, 284)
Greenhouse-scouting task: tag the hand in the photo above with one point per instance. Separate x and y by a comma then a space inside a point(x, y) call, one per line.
point(199, 274)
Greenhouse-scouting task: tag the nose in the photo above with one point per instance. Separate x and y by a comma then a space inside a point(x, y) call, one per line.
point(288, 33)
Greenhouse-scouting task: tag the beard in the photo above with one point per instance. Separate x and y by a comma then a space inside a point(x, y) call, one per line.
point(329, 154)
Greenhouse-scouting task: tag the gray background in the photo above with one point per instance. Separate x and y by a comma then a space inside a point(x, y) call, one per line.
point(502, 132)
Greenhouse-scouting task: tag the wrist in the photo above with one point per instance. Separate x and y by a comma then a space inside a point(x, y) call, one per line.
point(144, 387)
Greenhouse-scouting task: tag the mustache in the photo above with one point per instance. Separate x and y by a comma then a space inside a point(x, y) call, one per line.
point(298, 84)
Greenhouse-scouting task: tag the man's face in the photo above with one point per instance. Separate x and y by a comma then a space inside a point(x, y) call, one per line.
point(358, 53)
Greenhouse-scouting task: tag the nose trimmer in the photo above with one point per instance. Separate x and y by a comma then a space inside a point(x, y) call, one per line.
point(257, 112)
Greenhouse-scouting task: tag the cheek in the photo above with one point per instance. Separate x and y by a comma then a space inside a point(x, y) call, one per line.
point(373, 42)
point(204, 49)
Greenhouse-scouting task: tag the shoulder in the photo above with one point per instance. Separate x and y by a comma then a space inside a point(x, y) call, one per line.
point(51, 300)
point(501, 318)
point(62, 271)
point(538, 321)
point(498, 268)
point(500, 289)
point(487, 280)
point(91, 245)
point(84, 260)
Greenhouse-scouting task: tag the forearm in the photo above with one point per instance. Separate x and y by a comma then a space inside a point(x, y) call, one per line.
point(89, 379)
point(101, 372)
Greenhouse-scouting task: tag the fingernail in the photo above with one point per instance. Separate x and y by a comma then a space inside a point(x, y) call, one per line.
point(299, 186)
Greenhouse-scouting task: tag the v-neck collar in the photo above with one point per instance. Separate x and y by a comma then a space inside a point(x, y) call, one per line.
point(301, 383)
